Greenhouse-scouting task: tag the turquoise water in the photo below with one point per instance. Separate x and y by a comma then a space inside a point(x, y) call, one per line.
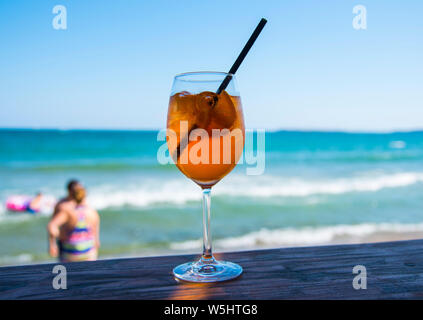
point(317, 187)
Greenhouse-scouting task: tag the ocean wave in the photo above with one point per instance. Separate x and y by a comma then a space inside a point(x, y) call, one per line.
point(181, 191)
point(146, 194)
point(19, 259)
point(159, 191)
point(397, 144)
point(394, 155)
point(306, 236)
point(20, 217)
point(295, 187)
point(373, 157)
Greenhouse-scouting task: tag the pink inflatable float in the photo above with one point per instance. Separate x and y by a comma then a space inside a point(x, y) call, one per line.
point(19, 203)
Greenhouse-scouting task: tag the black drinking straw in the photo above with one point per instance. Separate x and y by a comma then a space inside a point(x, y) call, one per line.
point(242, 55)
point(231, 72)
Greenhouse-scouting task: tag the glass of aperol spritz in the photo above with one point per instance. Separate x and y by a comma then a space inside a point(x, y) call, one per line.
point(205, 137)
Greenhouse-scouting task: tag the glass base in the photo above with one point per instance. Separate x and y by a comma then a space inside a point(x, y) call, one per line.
point(207, 270)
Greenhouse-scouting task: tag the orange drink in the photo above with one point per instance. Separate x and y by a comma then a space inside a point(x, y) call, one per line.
point(210, 133)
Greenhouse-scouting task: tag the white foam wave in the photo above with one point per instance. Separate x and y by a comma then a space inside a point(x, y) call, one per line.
point(305, 236)
point(19, 259)
point(175, 192)
point(301, 188)
point(180, 191)
point(397, 144)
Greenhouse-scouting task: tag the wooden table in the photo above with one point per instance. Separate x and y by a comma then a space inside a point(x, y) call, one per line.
point(394, 271)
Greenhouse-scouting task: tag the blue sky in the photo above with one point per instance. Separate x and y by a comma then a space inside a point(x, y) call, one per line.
point(310, 69)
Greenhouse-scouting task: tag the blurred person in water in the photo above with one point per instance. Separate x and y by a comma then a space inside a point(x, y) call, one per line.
point(74, 227)
point(22, 203)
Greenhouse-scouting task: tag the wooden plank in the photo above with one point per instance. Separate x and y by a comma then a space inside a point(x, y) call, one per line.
point(394, 271)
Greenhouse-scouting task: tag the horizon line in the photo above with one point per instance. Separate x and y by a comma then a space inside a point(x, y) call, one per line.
point(321, 130)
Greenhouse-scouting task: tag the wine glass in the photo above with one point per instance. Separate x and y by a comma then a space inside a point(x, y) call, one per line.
point(205, 137)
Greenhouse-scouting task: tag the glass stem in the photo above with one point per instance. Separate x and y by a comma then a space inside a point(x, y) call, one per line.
point(207, 241)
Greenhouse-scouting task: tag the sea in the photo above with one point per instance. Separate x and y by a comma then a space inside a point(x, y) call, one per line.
point(316, 188)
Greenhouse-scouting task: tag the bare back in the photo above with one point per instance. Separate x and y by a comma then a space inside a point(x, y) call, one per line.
point(69, 207)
